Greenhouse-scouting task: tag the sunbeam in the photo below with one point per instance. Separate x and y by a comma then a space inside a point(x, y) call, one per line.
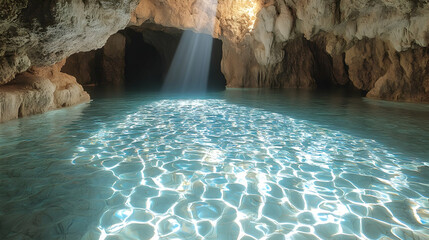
point(189, 70)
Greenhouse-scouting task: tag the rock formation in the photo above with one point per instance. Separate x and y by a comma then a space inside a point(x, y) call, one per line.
point(38, 90)
point(377, 46)
point(84, 66)
point(105, 65)
point(41, 34)
point(34, 33)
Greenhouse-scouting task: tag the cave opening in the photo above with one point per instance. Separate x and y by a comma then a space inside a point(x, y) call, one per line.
point(138, 59)
point(144, 66)
point(149, 53)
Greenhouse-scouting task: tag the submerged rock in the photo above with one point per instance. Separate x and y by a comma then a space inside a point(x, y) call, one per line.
point(40, 34)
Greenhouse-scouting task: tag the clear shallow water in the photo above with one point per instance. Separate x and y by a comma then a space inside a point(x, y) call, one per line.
point(242, 164)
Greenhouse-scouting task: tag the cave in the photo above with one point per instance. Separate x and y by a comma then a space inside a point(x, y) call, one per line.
point(149, 53)
point(201, 119)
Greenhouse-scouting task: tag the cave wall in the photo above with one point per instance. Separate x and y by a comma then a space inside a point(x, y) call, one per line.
point(35, 37)
point(132, 57)
point(105, 66)
point(377, 46)
point(39, 90)
point(84, 66)
point(42, 33)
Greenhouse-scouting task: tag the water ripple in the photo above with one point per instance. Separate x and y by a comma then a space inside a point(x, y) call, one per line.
point(206, 169)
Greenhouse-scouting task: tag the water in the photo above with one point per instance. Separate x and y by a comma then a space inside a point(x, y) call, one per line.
point(240, 164)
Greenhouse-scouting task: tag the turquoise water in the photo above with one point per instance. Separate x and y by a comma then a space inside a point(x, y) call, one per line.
point(240, 164)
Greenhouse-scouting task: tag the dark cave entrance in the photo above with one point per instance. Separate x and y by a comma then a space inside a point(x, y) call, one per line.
point(149, 52)
point(144, 66)
point(137, 59)
point(306, 64)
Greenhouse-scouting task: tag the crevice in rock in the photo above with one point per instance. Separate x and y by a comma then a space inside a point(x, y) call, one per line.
point(307, 65)
point(20, 115)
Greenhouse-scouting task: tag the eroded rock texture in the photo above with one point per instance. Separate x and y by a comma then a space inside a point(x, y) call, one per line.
point(377, 46)
point(42, 33)
point(34, 33)
point(38, 90)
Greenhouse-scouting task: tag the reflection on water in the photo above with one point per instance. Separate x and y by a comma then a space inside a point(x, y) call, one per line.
point(235, 165)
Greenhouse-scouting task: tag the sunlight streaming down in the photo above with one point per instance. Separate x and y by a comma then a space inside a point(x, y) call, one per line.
point(189, 70)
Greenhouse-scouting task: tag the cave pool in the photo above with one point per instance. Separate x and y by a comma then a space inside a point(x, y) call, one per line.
point(239, 164)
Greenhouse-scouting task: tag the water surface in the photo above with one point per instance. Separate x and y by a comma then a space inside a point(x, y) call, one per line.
point(239, 164)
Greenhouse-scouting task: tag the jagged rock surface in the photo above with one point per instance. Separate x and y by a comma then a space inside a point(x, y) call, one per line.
point(84, 66)
point(114, 59)
point(359, 41)
point(39, 90)
point(102, 66)
point(34, 33)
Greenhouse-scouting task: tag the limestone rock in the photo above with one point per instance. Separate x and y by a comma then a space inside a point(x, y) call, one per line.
point(9, 66)
point(105, 66)
point(239, 65)
point(378, 46)
point(375, 66)
point(39, 90)
point(407, 78)
point(352, 41)
point(27, 96)
point(313, 68)
point(284, 23)
point(233, 19)
point(183, 14)
point(42, 33)
point(368, 60)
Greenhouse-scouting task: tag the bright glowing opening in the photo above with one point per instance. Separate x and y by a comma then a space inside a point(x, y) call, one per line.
point(247, 9)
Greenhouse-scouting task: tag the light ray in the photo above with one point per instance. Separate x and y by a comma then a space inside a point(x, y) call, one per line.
point(189, 71)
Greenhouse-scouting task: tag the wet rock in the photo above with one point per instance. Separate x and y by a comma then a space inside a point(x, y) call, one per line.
point(39, 90)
